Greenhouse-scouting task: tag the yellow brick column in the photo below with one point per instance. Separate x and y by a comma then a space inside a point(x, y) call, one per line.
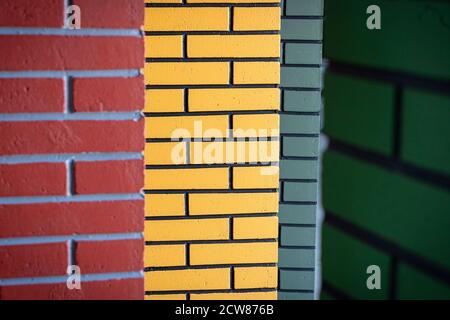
point(212, 149)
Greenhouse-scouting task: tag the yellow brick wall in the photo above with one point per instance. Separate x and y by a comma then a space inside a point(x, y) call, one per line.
point(212, 149)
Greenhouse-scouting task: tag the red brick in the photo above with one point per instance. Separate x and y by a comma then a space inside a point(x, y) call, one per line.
point(71, 136)
point(31, 95)
point(26, 13)
point(99, 13)
point(70, 53)
point(50, 219)
point(108, 94)
point(110, 256)
point(36, 179)
point(36, 260)
point(109, 177)
point(126, 289)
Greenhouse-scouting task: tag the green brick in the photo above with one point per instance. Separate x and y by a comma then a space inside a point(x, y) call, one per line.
point(304, 124)
point(296, 280)
point(298, 236)
point(300, 147)
point(359, 112)
point(301, 29)
point(401, 209)
point(300, 191)
point(344, 263)
point(416, 285)
point(426, 130)
point(297, 213)
point(304, 7)
point(300, 77)
point(303, 53)
point(302, 101)
point(296, 258)
point(287, 295)
point(413, 37)
point(298, 169)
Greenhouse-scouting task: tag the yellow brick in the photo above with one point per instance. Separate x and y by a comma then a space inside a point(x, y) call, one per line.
point(230, 99)
point(186, 19)
point(164, 205)
point(255, 177)
point(255, 277)
point(163, 1)
point(184, 73)
point(255, 228)
point(186, 127)
point(164, 100)
point(232, 1)
point(197, 178)
point(234, 46)
point(164, 46)
point(169, 153)
point(233, 203)
point(257, 73)
point(165, 297)
point(234, 152)
point(229, 253)
point(191, 279)
point(186, 229)
point(256, 18)
point(269, 295)
point(256, 125)
point(165, 255)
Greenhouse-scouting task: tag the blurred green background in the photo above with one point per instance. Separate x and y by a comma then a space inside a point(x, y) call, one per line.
point(386, 173)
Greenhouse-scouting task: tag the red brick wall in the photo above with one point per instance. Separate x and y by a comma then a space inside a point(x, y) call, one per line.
point(71, 149)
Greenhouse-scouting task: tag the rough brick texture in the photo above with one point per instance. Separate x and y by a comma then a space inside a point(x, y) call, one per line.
point(108, 177)
point(113, 94)
point(126, 289)
point(71, 149)
point(71, 53)
point(25, 13)
point(49, 137)
point(125, 13)
point(95, 256)
point(31, 95)
point(40, 179)
point(37, 260)
point(51, 219)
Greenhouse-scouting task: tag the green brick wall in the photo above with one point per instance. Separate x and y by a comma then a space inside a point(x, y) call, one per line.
point(301, 82)
point(386, 174)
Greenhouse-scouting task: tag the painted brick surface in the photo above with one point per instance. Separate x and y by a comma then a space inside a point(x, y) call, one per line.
point(126, 289)
point(386, 173)
point(112, 94)
point(47, 260)
point(22, 13)
point(211, 224)
point(70, 53)
point(301, 34)
point(71, 165)
point(31, 95)
point(53, 219)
